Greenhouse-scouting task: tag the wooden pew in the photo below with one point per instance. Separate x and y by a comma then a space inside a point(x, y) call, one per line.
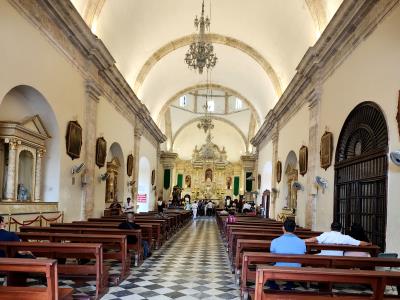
point(116, 243)
point(67, 250)
point(377, 280)
point(250, 259)
point(43, 266)
point(137, 247)
point(147, 231)
point(311, 248)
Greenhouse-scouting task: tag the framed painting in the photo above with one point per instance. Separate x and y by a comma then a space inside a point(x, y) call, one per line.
point(259, 181)
point(303, 160)
point(278, 171)
point(129, 165)
point(326, 150)
point(74, 139)
point(101, 152)
point(398, 114)
point(153, 177)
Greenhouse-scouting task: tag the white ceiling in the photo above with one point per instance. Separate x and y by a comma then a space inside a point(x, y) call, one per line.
point(279, 32)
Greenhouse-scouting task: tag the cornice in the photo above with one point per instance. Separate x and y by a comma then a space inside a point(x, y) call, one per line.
point(352, 23)
point(66, 29)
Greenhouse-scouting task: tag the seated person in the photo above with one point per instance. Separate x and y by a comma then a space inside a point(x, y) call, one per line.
point(128, 206)
point(116, 207)
point(335, 237)
point(246, 207)
point(357, 232)
point(231, 218)
point(11, 237)
point(288, 243)
point(130, 224)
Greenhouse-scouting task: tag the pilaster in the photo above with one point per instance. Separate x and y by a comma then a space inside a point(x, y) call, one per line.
point(93, 93)
point(11, 170)
point(275, 142)
point(137, 136)
point(38, 172)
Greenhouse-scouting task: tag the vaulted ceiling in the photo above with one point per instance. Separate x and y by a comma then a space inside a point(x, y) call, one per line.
point(259, 44)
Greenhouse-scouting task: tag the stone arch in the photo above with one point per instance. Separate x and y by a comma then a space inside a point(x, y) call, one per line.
point(115, 155)
point(214, 38)
point(24, 101)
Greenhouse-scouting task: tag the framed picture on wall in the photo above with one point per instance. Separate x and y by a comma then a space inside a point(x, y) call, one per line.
point(259, 181)
point(398, 114)
point(278, 171)
point(153, 177)
point(101, 152)
point(326, 150)
point(74, 139)
point(129, 165)
point(303, 160)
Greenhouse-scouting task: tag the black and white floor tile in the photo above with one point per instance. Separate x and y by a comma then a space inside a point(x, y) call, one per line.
point(192, 265)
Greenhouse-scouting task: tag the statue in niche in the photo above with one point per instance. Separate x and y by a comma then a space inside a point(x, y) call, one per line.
point(208, 175)
point(188, 181)
point(23, 193)
point(228, 182)
point(176, 195)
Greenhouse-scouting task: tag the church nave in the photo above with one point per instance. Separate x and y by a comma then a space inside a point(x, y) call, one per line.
point(192, 265)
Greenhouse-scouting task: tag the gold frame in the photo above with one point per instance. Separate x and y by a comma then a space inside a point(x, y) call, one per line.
point(303, 160)
point(74, 139)
point(101, 152)
point(326, 150)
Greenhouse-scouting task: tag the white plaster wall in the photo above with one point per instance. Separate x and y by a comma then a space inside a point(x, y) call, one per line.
point(291, 137)
point(370, 73)
point(115, 129)
point(148, 150)
point(28, 59)
point(265, 168)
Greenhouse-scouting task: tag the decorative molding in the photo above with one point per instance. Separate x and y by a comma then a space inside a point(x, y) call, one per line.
point(216, 39)
point(67, 31)
point(93, 90)
point(352, 23)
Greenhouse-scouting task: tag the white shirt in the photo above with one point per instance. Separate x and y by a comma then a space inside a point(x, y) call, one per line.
point(194, 206)
point(335, 237)
point(209, 205)
point(247, 206)
point(128, 207)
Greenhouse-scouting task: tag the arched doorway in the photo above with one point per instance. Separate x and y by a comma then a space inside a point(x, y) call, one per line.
point(361, 172)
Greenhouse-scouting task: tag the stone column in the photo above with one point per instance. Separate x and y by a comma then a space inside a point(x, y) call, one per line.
point(137, 136)
point(275, 140)
point(11, 170)
point(313, 157)
point(38, 174)
point(93, 93)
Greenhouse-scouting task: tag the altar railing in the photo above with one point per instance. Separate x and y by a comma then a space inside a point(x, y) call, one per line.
point(42, 219)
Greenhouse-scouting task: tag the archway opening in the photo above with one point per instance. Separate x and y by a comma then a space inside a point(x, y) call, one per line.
point(115, 171)
point(361, 172)
point(290, 176)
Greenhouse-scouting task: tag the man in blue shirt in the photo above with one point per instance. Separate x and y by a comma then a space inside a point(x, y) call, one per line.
point(6, 235)
point(288, 243)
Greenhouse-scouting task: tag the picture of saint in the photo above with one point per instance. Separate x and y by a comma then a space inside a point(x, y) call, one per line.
point(208, 175)
point(228, 182)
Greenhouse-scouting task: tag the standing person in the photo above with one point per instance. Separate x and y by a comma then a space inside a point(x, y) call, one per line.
point(335, 237)
point(240, 204)
point(209, 208)
point(128, 206)
point(160, 205)
point(130, 224)
point(194, 209)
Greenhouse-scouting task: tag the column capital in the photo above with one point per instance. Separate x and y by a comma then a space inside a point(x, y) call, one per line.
point(138, 131)
point(314, 97)
point(93, 90)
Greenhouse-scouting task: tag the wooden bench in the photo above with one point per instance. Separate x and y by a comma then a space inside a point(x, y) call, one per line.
point(312, 248)
point(375, 279)
point(137, 247)
point(117, 244)
point(251, 259)
point(67, 250)
point(42, 266)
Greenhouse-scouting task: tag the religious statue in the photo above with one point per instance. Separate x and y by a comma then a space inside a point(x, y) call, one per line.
point(22, 192)
point(188, 181)
point(208, 175)
point(176, 195)
point(228, 182)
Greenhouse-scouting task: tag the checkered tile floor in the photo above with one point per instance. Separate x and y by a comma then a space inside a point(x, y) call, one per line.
point(192, 265)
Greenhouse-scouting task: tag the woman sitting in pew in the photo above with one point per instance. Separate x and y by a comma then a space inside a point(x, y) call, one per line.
point(358, 233)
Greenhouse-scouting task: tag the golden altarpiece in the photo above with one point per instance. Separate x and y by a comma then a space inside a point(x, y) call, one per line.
point(113, 167)
point(289, 211)
point(209, 175)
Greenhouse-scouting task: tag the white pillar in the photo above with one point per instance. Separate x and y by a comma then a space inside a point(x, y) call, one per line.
point(11, 170)
point(138, 132)
point(38, 173)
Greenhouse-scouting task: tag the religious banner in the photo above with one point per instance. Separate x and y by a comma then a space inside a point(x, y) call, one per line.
point(167, 179)
point(236, 185)
point(179, 181)
point(141, 198)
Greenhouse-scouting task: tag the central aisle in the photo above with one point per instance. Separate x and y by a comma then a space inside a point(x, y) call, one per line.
point(192, 265)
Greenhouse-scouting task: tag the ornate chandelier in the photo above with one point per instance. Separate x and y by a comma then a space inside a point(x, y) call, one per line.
point(201, 52)
point(205, 122)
